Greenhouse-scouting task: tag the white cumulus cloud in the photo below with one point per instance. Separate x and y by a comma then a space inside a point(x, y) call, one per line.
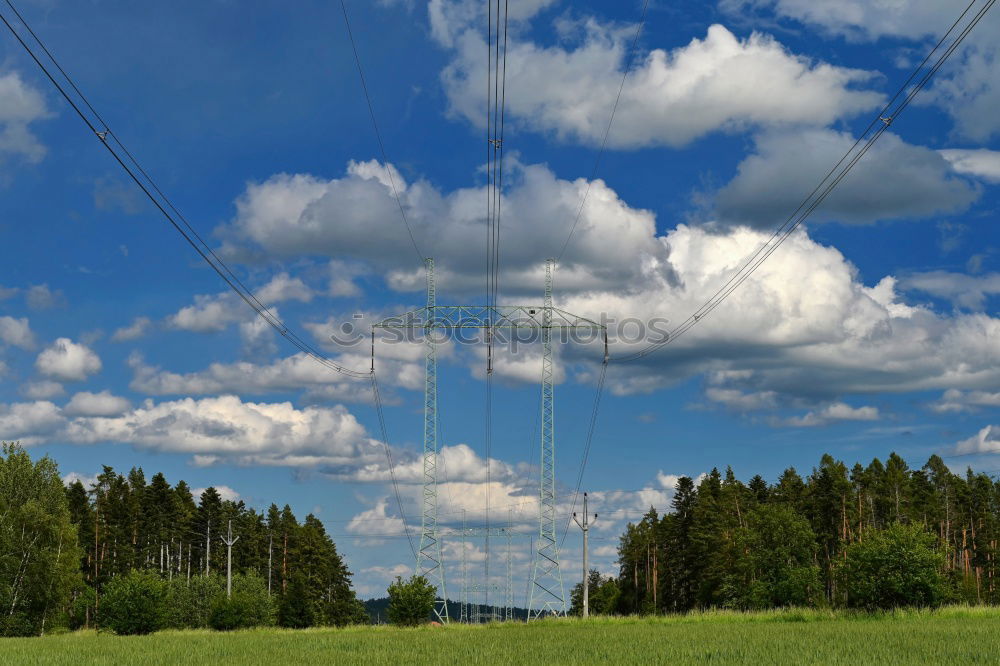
point(138, 328)
point(837, 411)
point(719, 83)
point(894, 179)
point(986, 440)
point(16, 332)
point(68, 361)
point(20, 105)
point(104, 403)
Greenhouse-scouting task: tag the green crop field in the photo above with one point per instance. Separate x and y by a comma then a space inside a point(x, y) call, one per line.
point(948, 636)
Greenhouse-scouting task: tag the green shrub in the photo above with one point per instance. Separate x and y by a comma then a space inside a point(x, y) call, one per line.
point(190, 602)
point(230, 613)
point(17, 624)
point(411, 602)
point(255, 604)
point(895, 567)
point(133, 603)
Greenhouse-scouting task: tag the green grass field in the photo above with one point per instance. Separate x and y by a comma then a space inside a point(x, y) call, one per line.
point(949, 636)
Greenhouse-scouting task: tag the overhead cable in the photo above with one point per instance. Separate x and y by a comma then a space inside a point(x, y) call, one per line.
point(378, 134)
point(607, 130)
point(881, 123)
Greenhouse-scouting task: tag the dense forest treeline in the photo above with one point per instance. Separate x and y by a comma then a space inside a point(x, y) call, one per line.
point(60, 546)
point(797, 541)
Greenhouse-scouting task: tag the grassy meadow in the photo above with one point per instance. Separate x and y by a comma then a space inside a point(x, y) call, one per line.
point(955, 635)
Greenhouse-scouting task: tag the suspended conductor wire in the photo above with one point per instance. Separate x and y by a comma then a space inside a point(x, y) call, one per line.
point(108, 132)
point(586, 447)
point(378, 133)
point(210, 257)
point(607, 130)
point(882, 121)
point(377, 398)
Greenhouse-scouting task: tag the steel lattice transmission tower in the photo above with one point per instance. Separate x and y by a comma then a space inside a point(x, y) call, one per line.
point(429, 561)
point(547, 595)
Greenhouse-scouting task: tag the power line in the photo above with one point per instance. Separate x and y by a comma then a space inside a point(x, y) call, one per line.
point(496, 96)
point(388, 454)
point(378, 134)
point(882, 121)
point(163, 204)
point(607, 131)
point(586, 448)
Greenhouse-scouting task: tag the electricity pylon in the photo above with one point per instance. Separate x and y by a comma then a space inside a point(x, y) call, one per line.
point(430, 564)
point(547, 594)
point(546, 575)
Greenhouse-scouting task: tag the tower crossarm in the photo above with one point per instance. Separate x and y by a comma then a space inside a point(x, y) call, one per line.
point(473, 532)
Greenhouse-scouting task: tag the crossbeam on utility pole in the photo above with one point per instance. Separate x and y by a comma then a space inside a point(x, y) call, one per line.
point(229, 541)
point(585, 526)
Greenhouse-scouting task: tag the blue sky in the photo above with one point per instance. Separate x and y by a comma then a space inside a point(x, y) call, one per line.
point(872, 329)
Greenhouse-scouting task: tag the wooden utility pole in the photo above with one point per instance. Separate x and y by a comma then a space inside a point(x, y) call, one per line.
point(229, 541)
point(585, 526)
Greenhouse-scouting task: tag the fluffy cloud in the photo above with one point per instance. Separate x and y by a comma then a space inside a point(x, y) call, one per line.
point(893, 180)
point(225, 492)
point(290, 374)
point(458, 464)
point(954, 400)
point(860, 19)
point(283, 287)
point(738, 400)
point(104, 403)
point(970, 91)
point(16, 332)
point(42, 390)
point(802, 326)
point(670, 98)
point(20, 105)
point(981, 163)
point(226, 429)
point(68, 361)
point(291, 216)
point(968, 88)
point(209, 313)
point(29, 422)
point(967, 291)
point(837, 411)
point(986, 440)
point(213, 313)
point(138, 328)
point(376, 522)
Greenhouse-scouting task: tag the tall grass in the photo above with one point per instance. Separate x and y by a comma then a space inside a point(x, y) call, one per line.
point(953, 635)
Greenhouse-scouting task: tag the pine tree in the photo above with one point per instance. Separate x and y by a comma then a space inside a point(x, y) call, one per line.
point(683, 558)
